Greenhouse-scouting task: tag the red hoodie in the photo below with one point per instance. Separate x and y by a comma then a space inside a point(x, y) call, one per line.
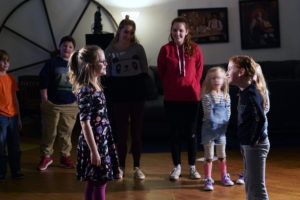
point(181, 82)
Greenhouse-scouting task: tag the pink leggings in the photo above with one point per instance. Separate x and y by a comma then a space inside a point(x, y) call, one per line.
point(94, 190)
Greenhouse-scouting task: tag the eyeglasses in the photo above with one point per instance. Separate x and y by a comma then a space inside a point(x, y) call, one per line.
point(104, 62)
point(128, 32)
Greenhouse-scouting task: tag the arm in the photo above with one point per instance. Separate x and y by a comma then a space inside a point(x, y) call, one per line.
point(161, 63)
point(44, 95)
point(143, 59)
point(109, 57)
point(89, 137)
point(267, 108)
point(199, 63)
point(19, 113)
point(228, 106)
point(44, 79)
point(206, 107)
point(258, 119)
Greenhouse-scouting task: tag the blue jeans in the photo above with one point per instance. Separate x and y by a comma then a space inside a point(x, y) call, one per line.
point(9, 134)
point(255, 167)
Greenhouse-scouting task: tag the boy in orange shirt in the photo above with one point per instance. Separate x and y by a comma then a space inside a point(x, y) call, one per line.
point(10, 121)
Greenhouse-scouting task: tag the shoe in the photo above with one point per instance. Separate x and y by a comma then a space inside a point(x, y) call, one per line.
point(66, 162)
point(175, 174)
point(44, 163)
point(226, 180)
point(138, 174)
point(18, 175)
point(240, 180)
point(194, 174)
point(208, 184)
point(120, 174)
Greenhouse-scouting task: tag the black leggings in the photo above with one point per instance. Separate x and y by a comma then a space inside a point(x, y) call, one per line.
point(182, 118)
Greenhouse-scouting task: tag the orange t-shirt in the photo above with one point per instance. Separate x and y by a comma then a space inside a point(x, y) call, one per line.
point(8, 88)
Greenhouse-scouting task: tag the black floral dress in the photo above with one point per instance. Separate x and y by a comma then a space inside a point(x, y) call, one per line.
point(92, 106)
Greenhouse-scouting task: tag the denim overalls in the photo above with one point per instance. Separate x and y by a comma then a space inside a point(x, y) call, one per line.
point(215, 128)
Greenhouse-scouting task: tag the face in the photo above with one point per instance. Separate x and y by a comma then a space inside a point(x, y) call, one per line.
point(217, 80)
point(66, 49)
point(126, 34)
point(179, 32)
point(101, 64)
point(232, 74)
point(4, 65)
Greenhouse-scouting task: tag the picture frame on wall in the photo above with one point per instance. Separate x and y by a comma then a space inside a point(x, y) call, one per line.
point(209, 25)
point(259, 23)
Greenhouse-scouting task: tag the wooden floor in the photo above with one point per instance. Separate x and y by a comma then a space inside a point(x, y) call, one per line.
point(282, 177)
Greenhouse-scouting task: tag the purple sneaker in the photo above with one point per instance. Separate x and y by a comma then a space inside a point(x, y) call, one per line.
point(208, 184)
point(240, 180)
point(227, 181)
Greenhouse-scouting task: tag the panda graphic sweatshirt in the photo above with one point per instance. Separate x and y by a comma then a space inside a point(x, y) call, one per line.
point(126, 73)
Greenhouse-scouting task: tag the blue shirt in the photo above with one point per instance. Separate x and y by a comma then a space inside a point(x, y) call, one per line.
point(251, 116)
point(54, 78)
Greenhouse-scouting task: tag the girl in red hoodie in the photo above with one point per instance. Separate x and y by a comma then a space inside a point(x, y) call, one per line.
point(180, 66)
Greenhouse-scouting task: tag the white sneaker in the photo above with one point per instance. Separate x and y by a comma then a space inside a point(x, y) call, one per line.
point(240, 180)
point(138, 174)
point(194, 174)
point(175, 173)
point(121, 173)
point(227, 181)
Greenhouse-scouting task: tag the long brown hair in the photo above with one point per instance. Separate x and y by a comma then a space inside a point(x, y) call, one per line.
point(248, 63)
point(82, 70)
point(123, 23)
point(187, 40)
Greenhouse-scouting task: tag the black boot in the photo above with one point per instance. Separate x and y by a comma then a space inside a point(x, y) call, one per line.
point(15, 165)
point(3, 164)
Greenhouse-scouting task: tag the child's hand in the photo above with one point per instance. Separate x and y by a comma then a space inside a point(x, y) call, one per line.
point(19, 124)
point(95, 159)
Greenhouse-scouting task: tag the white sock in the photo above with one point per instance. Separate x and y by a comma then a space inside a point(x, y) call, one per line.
point(178, 166)
point(192, 166)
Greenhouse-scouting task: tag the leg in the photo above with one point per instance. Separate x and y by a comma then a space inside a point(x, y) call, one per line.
point(50, 117)
point(99, 190)
point(13, 146)
point(136, 117)
point(3, 137)
point(220, 150)
point(121, 113)
point(208, 155)
point(255, 164)
point(88, 190)
point(190, 122)
point(172, 113)
point(65, 127)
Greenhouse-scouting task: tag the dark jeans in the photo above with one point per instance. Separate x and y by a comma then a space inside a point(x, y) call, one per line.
point(9, 134)
point(123, 111)
point(182, 118)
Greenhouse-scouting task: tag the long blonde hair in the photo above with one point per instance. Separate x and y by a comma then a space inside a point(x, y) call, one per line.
point(82, 70)
point(207, 87)
point(250, 66)
point(260, 79)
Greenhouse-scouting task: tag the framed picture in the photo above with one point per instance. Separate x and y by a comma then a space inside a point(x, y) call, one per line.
point(207, 25)
point(259, 24)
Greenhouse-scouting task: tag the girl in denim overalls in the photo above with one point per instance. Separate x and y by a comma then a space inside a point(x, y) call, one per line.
point(216, 108)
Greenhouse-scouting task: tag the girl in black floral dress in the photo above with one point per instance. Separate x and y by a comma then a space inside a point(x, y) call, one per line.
point(97, 159)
